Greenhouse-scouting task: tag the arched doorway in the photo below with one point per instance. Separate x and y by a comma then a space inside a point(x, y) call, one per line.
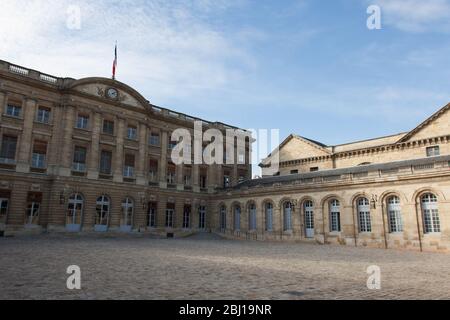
point(308, 208)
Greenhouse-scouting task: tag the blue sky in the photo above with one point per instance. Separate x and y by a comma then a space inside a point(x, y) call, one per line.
point(305, 67)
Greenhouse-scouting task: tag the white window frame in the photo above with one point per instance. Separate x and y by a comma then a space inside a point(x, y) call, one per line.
point(223, 218)
point(33, 212)
point(252, 217)
point(186, 219)
point(128, 172)
point(127, 212)
point(169, 218)
point(82, 122)
point(364, 218)
point(202, 217)
point(308, 208)
point(13, 110)
point(335, 216)
point(287, 216)
point(237, 218)
point(76, 201)
point(394, 215)
point(38, 161)
point(430, 214)
point(102, 211)
point(132, 133)
point(43, 115)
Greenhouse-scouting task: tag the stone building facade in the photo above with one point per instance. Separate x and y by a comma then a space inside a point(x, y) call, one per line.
point(93, 155)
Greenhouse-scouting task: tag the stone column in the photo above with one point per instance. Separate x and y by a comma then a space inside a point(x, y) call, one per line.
point(178, 216)
point(211, 178)
point(53, 153)
point(161, 212)
point(26, 141)
point(196, 177)
point(141, 161)
point(2, 103)
point(66, 143)
point(119, 155)
point(179, 173)
point(163, 160)
point(94, 154)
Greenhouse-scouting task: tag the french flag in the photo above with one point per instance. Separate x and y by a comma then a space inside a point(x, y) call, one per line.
point(114, 63)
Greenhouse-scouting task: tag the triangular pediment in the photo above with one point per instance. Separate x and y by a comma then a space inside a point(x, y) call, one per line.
point(102, 87)
point(435, 126)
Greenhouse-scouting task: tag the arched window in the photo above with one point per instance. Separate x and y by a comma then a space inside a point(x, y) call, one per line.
point(269, 217)
point(4, 201)
point(335, 216)
point(394, 214)
point(75, 212)
point(102, 217)
point(252, 217)
point(309, 218)
point(202, 217)
point(237, 218)
point(127, 212)
point(365, 222)
point(430, 213)
point(287, 210)
point(223, 217)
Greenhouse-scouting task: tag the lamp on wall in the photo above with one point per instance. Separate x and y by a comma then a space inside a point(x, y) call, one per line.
point(143, 201)
point(374, 201)
point(62, 198)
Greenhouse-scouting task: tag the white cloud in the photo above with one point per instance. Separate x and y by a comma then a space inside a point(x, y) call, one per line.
point(415, 15)
point(164, 48)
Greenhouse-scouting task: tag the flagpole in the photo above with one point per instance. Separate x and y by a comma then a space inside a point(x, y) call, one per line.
point(114, 63)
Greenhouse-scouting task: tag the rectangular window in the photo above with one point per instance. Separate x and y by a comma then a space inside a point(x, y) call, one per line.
point(294, 171)
point(108, 127)
point(171, 174)
point(169, 215)
point(154, 139)
point(226, 180)
point(128, 170)
point(43, 115)
point(79, 159)
point(8, 151)
point(314, 169)
point(132, 133)
point(13, 110)
point(203, 181)
point(82, 121)
point(172, 144)
point(105, 162)
point(335, 221)
point(39, 155)
point(153, 171)
point(433, 151)
point(151, 222)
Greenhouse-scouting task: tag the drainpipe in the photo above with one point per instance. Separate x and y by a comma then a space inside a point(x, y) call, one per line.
point(418, 227)
point(354, 225)
point(384, 228)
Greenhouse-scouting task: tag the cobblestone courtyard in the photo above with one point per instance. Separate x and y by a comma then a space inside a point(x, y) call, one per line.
point(206, 267)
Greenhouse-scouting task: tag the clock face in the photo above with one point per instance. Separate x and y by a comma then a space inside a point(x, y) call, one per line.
point(112, 93)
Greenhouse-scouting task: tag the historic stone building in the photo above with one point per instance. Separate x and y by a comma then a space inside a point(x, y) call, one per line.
point(93, 155)
point(391, 192)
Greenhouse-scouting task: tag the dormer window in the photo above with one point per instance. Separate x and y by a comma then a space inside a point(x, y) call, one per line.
point(433, 151)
